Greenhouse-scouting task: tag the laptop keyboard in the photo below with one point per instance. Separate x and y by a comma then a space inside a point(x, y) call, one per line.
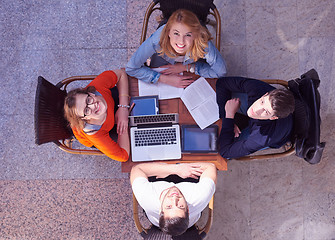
point(151, 137)
point(155, 118)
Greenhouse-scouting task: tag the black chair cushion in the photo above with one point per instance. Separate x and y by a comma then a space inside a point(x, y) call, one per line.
point(200, 8)
point(173, 178)
point(50, 124)
point(154, 233)
point(307, 119)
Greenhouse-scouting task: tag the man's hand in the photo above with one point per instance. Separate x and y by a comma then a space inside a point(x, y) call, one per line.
point(173, 68)
point(184, 170)
point(232, 107)
point(237, 131)
point(121, 119)
point(192, 170)
point(176, 80)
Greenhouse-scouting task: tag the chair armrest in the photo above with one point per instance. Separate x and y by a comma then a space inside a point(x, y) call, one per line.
point(63, 146)
point(68, 80)
point(209, 222)
point(151, 8)
point(286, 153)
point(138, 224)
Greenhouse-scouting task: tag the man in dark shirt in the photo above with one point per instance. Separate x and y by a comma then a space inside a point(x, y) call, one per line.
point(269, 113)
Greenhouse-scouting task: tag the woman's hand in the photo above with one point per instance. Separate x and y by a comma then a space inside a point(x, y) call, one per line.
point(177, 80)
point(121, 119)
point(185, 170)
point(173, 68)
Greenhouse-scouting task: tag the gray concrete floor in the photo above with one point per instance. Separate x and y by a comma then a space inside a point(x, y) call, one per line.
point(48, 194)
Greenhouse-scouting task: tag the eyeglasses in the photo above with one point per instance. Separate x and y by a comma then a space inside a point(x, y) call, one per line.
point(89, 101)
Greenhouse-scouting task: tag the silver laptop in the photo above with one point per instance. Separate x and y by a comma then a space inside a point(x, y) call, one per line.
point(155, 137)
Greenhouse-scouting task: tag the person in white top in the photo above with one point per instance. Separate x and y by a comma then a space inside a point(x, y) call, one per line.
point(173, 207)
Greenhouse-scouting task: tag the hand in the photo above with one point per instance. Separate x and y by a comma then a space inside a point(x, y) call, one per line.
point(121, 119)
point(232, 107)
point(173, 68)
point(237, 131)
point(185, 170)
point(176, 80)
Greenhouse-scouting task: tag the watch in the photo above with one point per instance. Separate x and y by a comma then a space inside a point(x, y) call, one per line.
point(192, 68)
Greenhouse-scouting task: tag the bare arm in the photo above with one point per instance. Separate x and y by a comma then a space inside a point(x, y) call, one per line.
point(163, 170)
point(122, 86)
point(121, 115)
point(123, 141)
point(183, 170)
point(209, 170)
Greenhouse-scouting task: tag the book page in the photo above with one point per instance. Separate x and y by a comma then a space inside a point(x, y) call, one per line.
point(200, 100)
point(147, 89)
point(163, 91)
point(197, 93)
point(206, 114)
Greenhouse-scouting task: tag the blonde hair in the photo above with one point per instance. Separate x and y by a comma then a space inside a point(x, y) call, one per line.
point(70, 113)
point(201, 35)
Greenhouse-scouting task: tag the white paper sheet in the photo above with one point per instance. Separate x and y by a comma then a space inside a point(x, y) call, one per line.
point(199, 98)
point(163, 91)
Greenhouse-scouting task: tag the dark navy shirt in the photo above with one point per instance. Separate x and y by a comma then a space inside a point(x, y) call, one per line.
point(263, 133)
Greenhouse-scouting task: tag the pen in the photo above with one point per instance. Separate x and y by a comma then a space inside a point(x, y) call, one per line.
point(131, 107)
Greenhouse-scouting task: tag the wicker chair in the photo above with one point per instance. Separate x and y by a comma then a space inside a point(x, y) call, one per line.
point(202, 8)
point(289, 148)
point(196, 232)
point(50, 124)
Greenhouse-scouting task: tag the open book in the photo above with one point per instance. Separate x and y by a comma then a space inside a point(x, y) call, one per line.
point(200, 100)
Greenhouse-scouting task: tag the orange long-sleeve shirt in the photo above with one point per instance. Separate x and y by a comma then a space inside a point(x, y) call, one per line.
point(101, 139)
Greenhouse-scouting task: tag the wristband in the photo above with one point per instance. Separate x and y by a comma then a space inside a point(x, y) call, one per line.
point(123, 106)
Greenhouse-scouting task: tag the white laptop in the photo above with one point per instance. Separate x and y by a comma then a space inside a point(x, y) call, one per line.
point(155, 137)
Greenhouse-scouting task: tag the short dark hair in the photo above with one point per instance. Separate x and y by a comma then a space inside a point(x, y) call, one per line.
point(282, 102)
point(174, 226)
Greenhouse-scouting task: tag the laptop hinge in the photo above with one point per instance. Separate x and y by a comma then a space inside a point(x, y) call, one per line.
point(154, 125)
